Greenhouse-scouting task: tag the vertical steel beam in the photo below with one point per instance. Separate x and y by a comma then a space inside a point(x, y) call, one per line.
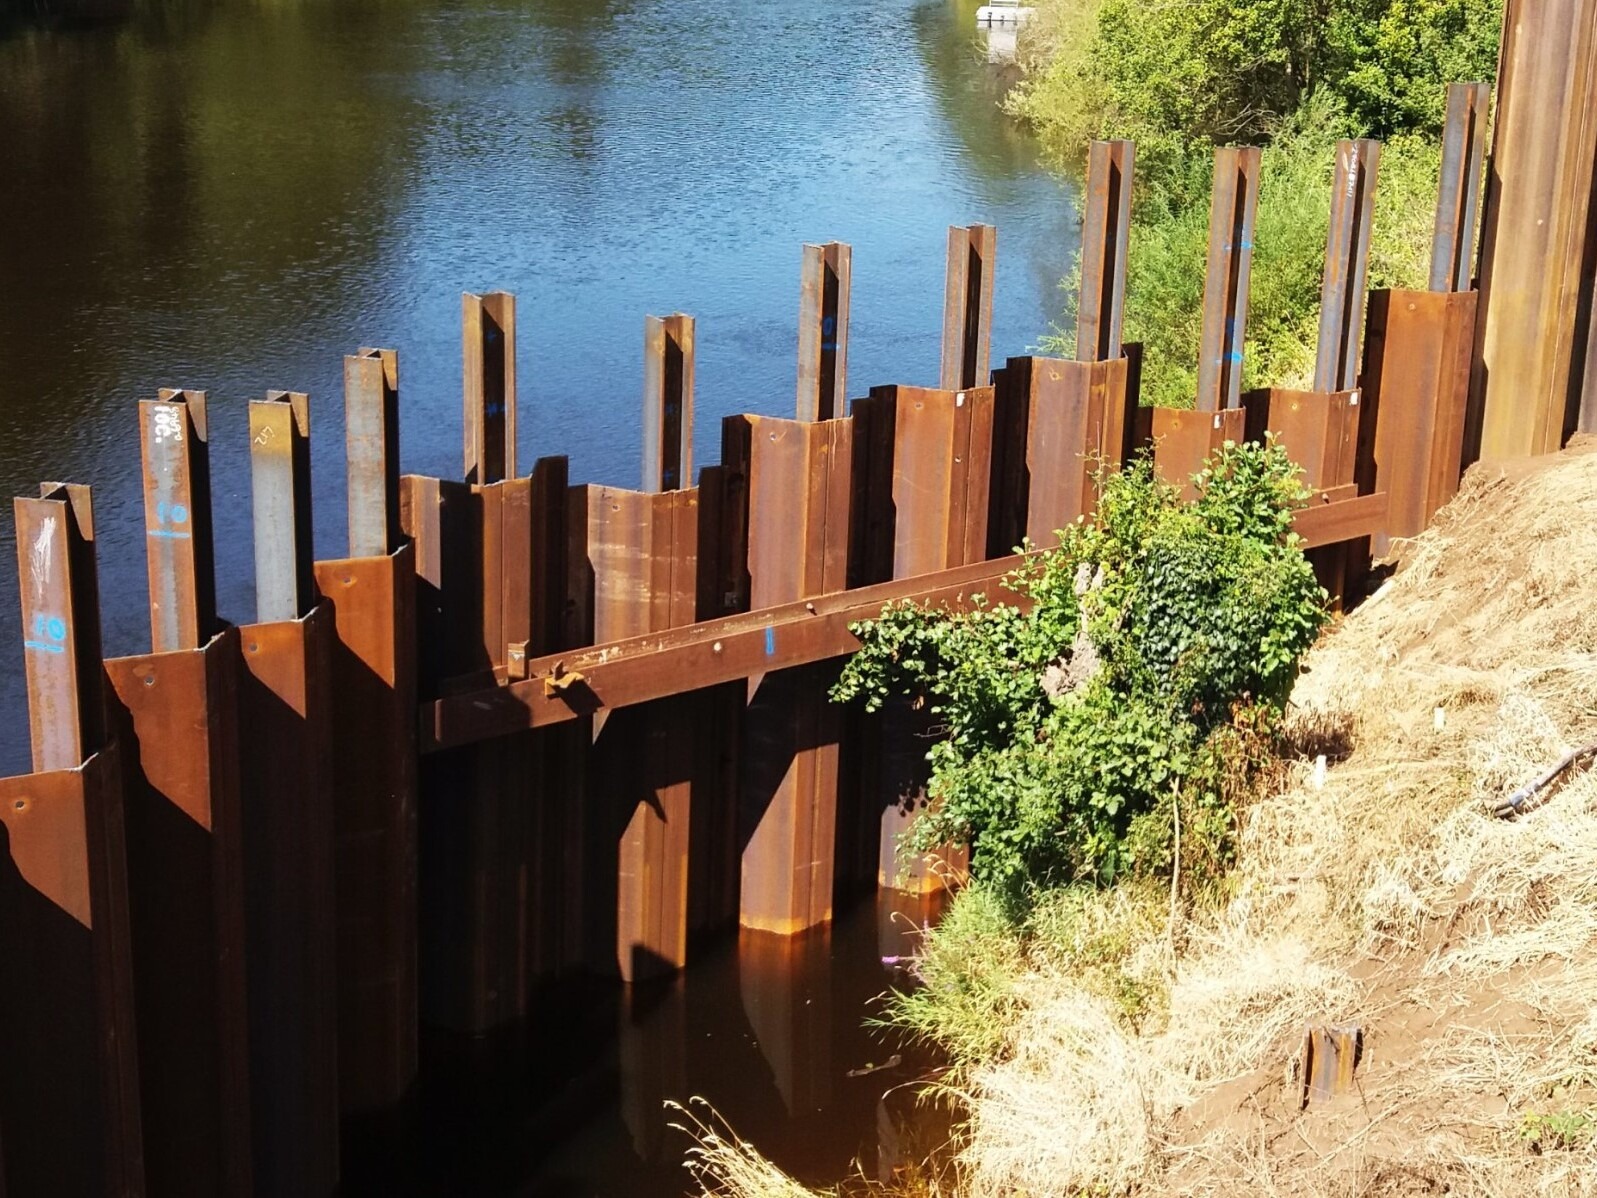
point(823, 330)
point(60, 626)
point(173, 435)
point(1105, 236)
point(371, 439)
point(1225, 290)
point(177, 724)
point(1347, 265)
point(667, 402)
point(488, 325)
point(69, 1091)
point(795, 478)
point(1534, 243)
point(280, 478)
point(968, 306)
point(1459, 197)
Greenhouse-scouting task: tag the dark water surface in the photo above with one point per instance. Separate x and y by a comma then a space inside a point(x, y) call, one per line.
point(232, 195)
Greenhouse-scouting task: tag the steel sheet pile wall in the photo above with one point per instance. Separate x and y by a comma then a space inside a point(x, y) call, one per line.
point(624, 742)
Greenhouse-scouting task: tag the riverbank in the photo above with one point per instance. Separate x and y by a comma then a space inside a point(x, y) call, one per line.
point(1374, 888)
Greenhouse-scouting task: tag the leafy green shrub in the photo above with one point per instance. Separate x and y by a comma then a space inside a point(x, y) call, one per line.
point(1079, 730)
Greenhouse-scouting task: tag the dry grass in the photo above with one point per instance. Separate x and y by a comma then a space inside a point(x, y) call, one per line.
point(1380, 890)
point(1387, 895)
point(724, 1165)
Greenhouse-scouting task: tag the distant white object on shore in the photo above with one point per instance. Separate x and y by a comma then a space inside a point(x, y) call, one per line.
point(1003, 12)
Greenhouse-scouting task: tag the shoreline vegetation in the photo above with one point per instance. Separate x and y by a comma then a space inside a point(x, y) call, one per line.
point(1291, 75)
point(1174, 867)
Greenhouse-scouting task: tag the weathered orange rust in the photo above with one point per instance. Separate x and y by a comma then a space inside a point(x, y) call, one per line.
point(1416, 395)
point(823, 331)
point(796, 477)
point(968, 306)
point(176, 718)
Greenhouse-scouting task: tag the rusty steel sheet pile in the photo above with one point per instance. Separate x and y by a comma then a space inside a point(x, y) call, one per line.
point(531, 729)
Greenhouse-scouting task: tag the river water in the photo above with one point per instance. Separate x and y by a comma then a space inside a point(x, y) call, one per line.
point(230, 195)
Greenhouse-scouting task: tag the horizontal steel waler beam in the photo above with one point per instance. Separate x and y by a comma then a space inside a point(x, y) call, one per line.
point(565, 686)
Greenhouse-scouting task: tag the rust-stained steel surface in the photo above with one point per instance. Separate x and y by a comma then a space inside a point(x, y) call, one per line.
point(1347, 262)
point(372, 601)
point(1055, 424)
point(488, 334)
point(641, 556)
point(1459, 197)
point(968, 306)
point(176, 719)
point(69, 1092)
point(286, 757)
point(280, 482)
point(1534, 264)
point(1318, 430)
point(667, 402)
point(173, 436)
point(1329, 1056)
point(654, 665)
point(1232, 211)
point(1105, 234)
point(797, 478)
point(371, 451)
point(60, 626)
point(1183, 439)
point(1416, 394)
point(823, 330)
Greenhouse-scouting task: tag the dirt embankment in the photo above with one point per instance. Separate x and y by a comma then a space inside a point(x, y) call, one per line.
point(1378, 890)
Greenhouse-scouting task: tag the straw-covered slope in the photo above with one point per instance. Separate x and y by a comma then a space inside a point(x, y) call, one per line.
point(1376, 890)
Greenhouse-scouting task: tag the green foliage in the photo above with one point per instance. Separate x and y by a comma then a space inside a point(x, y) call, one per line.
point(1074, 728)
point(1164, 282)
point(972, 962)
point(1557, 1130)
point(1293, 75)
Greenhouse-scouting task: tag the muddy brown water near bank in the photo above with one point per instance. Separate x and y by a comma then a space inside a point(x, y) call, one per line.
point(770, 1031)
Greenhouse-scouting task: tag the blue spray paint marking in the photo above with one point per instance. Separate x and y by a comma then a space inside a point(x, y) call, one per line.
point(1236, 355)
point(170, 513)
point(52, 631)
point(770, 641)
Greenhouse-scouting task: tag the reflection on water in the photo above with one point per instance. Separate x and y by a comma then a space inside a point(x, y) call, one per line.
point(232, 194)
point(767, 1030)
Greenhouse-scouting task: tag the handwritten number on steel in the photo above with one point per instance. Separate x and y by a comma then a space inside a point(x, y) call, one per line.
point(49, 635)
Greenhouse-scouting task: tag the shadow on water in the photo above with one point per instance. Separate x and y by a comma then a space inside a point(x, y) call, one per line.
point(768, 1029)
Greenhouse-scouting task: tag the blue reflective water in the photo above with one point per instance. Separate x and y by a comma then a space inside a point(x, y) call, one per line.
point(231, 195)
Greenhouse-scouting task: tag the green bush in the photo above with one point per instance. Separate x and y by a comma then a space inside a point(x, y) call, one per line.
point(1157, 635)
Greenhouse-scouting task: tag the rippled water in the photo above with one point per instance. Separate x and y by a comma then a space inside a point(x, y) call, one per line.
point(232, 195)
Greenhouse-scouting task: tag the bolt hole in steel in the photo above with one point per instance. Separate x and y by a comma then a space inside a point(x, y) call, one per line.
point(593, 191)
point(22, 804)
